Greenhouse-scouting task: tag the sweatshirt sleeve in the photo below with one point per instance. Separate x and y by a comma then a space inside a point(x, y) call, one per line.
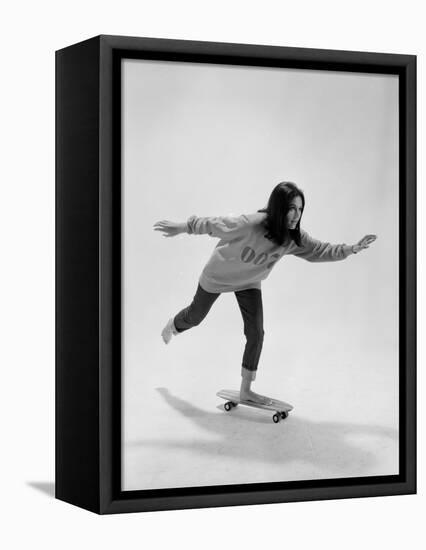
point(314, 250)
point(223, 227)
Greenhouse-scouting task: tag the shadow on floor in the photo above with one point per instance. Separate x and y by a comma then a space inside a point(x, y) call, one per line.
point(251, 434)
point(47, 487)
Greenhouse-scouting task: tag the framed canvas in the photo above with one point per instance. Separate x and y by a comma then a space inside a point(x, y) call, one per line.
point(285, 182)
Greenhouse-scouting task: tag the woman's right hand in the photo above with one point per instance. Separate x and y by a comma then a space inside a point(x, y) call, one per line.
point(170, 229)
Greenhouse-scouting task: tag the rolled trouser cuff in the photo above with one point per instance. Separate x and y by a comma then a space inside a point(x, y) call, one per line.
point(173, 326)
point(248, 374)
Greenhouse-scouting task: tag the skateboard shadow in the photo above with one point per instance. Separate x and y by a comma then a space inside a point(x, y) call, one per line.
point(333, 446)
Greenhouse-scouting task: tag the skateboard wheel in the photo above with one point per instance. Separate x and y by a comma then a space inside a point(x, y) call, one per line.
point(228, 406)
point(276, 418)
point(234, 404)
point(284, 414)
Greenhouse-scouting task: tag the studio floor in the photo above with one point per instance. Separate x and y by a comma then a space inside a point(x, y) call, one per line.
point(177, 434)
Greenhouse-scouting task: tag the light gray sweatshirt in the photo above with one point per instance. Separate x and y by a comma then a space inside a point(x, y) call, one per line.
point(244, 256)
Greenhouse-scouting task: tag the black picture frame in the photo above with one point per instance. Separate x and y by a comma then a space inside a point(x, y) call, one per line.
point(88, 273)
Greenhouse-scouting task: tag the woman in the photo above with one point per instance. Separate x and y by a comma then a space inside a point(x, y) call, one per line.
point(250, 245)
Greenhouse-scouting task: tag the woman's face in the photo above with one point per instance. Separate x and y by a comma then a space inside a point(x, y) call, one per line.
point(295, 212)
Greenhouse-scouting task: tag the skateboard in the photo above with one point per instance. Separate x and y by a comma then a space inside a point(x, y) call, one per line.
point(232, 398)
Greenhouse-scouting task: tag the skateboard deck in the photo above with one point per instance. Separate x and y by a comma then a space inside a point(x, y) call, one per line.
point(281, 409)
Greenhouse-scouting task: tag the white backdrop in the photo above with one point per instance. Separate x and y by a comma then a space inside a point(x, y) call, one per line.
point(213, 140)
point(30, 34)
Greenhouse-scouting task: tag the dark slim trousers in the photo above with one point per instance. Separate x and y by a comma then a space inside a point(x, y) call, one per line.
point(250, 303)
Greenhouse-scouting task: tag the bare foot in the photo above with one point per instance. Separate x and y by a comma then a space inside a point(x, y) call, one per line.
point(255, 397)
point(168, 331)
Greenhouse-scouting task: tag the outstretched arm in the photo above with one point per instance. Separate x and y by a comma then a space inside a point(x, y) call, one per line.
point(314, 250)
point(222, 227)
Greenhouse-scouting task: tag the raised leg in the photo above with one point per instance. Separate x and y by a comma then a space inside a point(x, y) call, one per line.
point(192, 315)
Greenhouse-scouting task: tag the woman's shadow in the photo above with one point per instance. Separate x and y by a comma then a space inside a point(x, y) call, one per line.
point(250, 435)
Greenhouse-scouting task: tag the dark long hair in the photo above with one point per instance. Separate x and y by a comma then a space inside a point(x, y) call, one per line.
point(277, 209)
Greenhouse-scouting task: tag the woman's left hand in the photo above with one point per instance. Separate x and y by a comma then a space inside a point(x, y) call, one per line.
point(364, 243)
